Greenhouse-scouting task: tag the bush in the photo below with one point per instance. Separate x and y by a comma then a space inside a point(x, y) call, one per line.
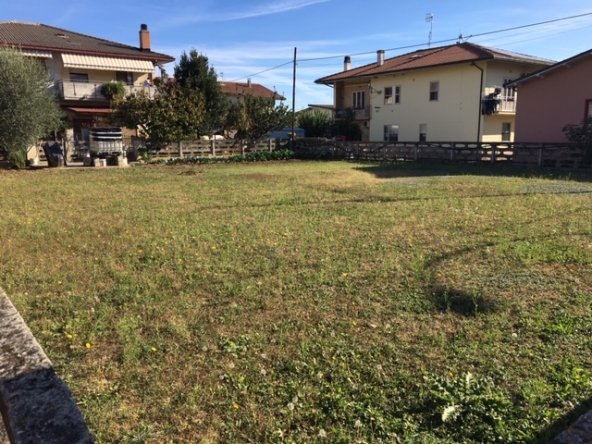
point(113, 89)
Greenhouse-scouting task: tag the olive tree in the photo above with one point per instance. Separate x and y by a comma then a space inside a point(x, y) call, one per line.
point(28, 110)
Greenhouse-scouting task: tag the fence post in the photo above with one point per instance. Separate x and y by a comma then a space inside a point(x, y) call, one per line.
point(180, 148)
point(213, 147)
point(415, 153)
point(452, 151)
point(493, 148)
point(242, 145)
point(541, 156)
point(384, 153)
point(270, 146)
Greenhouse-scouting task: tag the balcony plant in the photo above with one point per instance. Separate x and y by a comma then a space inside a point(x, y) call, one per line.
point(113, 89)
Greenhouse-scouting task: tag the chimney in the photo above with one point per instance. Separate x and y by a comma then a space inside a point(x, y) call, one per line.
point(347, 63)
point(380, 57)
point(248, 83)
point(144, 38)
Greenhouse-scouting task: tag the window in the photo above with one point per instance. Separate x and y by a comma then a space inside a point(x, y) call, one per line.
point(78, 77)
point(434, 89)
point(391, 133)
point(125, 77)
point(359, 99)
point(389, 98)
point(506, 131)
point(388, 95)
point(423, 132)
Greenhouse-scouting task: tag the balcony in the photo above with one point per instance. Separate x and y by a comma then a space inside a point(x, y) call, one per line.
point(498, 100)
point(353, 113)
point(92, 90)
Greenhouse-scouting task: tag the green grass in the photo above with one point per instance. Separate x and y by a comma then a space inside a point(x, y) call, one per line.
point(308, 302)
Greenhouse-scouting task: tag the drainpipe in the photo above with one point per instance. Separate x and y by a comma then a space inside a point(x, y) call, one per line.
point(480, 99)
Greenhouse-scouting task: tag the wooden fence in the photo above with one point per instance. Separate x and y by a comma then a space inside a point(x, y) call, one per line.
point(520, 154)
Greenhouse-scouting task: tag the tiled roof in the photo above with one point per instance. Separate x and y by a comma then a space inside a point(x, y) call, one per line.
point(255, 89)
point(43, 37)
point(427, 58)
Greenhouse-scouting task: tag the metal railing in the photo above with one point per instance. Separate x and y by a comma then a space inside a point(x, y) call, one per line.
point(355, 113)
point(91, 90)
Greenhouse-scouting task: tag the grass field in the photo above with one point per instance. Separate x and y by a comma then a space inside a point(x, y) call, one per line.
point(308, 302)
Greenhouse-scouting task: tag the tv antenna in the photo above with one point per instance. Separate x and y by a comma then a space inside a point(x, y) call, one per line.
point(430, 18)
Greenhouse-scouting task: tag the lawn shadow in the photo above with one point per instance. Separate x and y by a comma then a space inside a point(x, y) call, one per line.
point(448, 299)
point(415, 169)
point(577, 428)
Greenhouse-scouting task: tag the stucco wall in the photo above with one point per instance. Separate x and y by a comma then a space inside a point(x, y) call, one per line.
point(547, 104)
point(454, 116)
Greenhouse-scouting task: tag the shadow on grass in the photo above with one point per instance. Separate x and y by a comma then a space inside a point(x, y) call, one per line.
point(414, 169)
point(451, 300)
point(580, 434)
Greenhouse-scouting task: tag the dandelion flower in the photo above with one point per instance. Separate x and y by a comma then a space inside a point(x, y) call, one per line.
point(290, 406)
point(59, 282)
point(153, 349)
point(88, 345)
point(358, 423)
point(344, 275)
point(69, 336)
point(236, 406)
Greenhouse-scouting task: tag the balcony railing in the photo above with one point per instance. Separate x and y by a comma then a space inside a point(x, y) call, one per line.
point(497, 105)
point(353, 113)
point(92, 90)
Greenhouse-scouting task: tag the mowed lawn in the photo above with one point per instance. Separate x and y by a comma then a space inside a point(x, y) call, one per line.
point(308, 301)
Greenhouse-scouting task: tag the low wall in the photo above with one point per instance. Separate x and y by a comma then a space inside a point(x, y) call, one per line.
point(36, 405)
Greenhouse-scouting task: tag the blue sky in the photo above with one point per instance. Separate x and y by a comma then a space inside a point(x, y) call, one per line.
point(245, 38)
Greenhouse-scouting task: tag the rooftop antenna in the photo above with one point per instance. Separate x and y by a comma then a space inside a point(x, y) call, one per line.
point(430, 18)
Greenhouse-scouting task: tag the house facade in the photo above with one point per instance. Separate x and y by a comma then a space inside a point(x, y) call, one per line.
point(79, 65)
point(553, 97)
point(450, 93)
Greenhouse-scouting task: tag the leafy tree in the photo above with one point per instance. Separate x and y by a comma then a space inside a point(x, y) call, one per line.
point(315, 123)
point(193, 72)
point(174, 113)
point(28, 110)
point(581, 134)
point(252, 117)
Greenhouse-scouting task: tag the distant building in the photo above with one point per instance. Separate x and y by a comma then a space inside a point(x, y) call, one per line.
point(234, 90)
point(553, 97)
point(450, 93)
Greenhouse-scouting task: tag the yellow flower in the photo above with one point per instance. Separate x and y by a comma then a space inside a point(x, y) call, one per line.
point(354, 323)
point(153, 349)
point(69, 336)
point(59, 282)
point(344, 275)
point(236, 406)
point(88, 345)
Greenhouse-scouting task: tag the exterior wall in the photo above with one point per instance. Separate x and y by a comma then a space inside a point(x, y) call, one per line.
point(549, 103)
point(453, 117)
point(492, 127)
point(345, 99)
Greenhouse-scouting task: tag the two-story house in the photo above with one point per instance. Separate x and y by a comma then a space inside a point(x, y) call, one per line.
point(450, 93)
point(79, 65)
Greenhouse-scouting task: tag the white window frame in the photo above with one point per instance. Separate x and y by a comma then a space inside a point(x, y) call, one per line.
point(506, 131)
point(434, 91)
point(388, 95)
point(423, 131)
point(359, 100)
point(397, 94)
point(391, 133)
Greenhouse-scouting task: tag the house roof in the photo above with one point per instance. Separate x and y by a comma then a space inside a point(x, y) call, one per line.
point(543, 71)
point(37, 36)
point(255, 89)
point(432, 57)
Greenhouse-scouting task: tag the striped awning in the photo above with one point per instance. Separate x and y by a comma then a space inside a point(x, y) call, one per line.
point(106, 63)
point(37, 53)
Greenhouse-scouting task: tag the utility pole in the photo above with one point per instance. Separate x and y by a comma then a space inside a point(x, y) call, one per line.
point(293, 104)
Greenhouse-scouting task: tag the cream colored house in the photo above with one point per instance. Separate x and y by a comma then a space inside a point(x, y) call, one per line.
point(450, 93)
point(79, 65)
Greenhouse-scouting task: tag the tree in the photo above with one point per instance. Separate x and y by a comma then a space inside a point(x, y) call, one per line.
point(174, 113)
point(581, 134)
point(28, 110)
point(315, 123)
point(252, 117)
point(194, 73)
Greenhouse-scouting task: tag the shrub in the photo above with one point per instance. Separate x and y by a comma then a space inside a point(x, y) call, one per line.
point(112, 90)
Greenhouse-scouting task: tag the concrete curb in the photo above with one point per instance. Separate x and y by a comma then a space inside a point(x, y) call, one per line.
point(36, 405)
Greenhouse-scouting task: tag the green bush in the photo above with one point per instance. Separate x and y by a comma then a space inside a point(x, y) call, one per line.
point(113, 89)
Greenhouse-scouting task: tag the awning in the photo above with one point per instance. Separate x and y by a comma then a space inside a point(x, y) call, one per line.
point(106, 63)
point(90, 110)
point(37, 53)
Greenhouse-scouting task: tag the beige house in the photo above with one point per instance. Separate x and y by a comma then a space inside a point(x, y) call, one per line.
point(79, 65)
point(234, 90)
point(449, 93)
